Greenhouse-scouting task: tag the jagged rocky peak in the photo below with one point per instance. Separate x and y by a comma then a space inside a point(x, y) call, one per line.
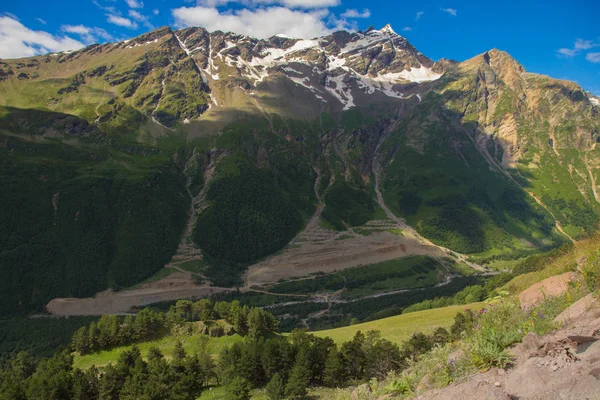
point(388, 29)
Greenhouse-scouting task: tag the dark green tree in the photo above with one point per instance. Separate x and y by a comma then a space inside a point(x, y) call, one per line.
point(299, 378)
point(354, 355)
point(81, 341)
point(238, 389)
point(335, 374)
point(85, 384)
point(275, 389)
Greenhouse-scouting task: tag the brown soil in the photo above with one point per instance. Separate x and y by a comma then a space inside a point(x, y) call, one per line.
point(173, 287)
point(320, 250)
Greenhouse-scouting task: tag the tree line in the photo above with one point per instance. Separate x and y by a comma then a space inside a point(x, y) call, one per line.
point(285, 366)
point(113, 331)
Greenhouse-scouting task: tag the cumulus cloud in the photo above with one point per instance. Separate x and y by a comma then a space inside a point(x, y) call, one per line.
point(134, 3)
point(138, 16)
point(564, 52)
point(450, 11)
point(155, 11)
point(419, 15)
point(287, 3)
point(354, 13)
point(593, 57)
point(108, 9)
point(87, 34)
point(16, 40)
point(306, 3)
point(121, 21)
point(579, 46)
point(260, 23)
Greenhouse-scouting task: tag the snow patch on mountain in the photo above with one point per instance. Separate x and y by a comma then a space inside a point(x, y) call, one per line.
point(339, 91)
point(421, 74)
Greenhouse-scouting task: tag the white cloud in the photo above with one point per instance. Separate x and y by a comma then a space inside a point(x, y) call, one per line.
point(581, 44)
point(88, 35)
point(121, 21)
point(308, 4)
point(567, 52)
point(110, 10)
point(419, 15)
point(134, 3)
point(260, 23)
point(354, 13)
point(141, 18)
point(578, 47)
point(42, 21)
point(137, 15)
point(155, 11)
point(450, 11)
point(593, 57)
point(407, 28)
point(16, 40)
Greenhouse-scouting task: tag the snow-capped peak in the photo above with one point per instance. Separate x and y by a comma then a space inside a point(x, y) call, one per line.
point(388, 29)
point(343, 66)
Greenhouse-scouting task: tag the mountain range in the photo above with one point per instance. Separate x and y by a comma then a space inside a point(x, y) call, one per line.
point(117, 157)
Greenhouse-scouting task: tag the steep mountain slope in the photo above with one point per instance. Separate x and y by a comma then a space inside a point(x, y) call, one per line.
point(220, 146)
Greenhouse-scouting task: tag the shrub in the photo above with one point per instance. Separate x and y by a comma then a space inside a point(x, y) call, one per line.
point(591, 273)
point(488, 344)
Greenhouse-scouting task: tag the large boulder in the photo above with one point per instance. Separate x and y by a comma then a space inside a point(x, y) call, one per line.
point(577, 310)
point(550, 287)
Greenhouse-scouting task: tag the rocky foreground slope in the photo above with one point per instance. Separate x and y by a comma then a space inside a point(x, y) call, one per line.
point(559, 366)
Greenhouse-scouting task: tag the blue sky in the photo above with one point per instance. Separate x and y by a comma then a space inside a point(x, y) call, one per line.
point(559, 38)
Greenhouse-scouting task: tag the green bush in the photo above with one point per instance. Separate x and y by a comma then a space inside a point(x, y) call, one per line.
point(591, 272)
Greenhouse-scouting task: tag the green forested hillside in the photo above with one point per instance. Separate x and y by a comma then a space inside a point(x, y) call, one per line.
point(448, 191)
point(249, 218)
point(103, 151)
point(76, 219)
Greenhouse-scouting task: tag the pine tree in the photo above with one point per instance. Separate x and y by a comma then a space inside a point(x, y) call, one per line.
point(275, 388)
point(178, 361)
point(299, 378)
point(110, 384)
point(335, 371)
point(238, 389)
point(81, 341)
point(354, 355)
point(126, 330)
point(93, 337)
point(85, 385)
point(260, 323)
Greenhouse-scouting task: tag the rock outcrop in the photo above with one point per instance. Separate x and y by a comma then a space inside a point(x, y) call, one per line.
point(564, 365)
point(550, 287)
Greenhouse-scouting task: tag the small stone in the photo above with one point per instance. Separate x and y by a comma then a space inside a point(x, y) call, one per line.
point(497, 384)
point(501, 372)
point(554, 368)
